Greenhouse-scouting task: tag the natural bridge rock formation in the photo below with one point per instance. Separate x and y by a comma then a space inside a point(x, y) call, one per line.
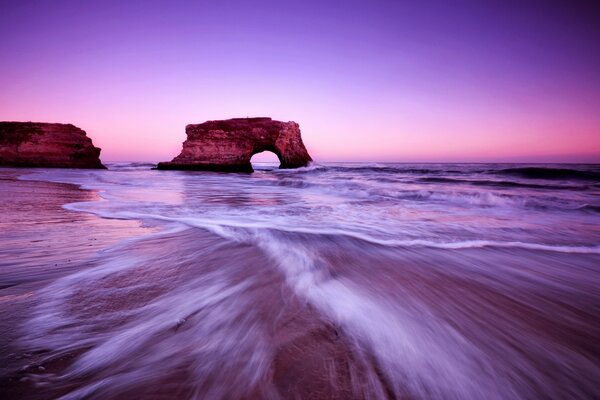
point(229, 145)
point(39, 144)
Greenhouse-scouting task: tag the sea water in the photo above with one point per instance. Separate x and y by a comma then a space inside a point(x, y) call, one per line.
point(433, 281)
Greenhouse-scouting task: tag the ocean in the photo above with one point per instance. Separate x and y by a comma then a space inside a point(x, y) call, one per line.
point(334, 281)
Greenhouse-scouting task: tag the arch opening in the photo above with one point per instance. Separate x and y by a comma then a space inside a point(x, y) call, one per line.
point(265, 160)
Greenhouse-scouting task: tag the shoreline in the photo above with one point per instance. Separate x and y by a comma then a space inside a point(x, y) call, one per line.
point(276, 313)
point(308, 347)
point(305, 340)
point(35, 221)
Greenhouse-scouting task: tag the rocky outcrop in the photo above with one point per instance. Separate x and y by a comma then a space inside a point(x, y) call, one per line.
point(228, 145)
point(39, 144)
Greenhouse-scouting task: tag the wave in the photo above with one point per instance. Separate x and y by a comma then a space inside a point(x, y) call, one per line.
point(590, 208)
point(130, 165)
point(507, 184)
point(549, 173)
point(129, 328)
point(440, 291)
point(231, 230)
point(436, 172)
point(367, 167)
point(397, 338)
point(376, 190)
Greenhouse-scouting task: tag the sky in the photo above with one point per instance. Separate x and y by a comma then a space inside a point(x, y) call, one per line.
point(383, 81)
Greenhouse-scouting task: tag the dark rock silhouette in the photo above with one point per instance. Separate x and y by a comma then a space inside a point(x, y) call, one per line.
point(228, 145)
point(46, 145)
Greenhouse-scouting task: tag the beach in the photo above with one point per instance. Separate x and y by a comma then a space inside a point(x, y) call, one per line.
point(336, 281)
point(41, 241)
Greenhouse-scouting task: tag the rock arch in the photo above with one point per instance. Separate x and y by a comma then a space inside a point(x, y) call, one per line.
point(228, 145)
point(265, 156)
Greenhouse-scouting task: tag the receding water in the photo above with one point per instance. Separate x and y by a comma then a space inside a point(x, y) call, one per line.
point(434, 281)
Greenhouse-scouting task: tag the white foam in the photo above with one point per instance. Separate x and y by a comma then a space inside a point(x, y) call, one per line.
point(202, 324)
point(219, 226)
point(415, 350)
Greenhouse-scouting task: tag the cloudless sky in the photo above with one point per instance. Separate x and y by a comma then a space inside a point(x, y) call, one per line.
point(366, 80)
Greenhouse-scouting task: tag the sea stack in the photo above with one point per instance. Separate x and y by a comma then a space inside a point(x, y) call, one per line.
point(228, 145)
point(46, 145)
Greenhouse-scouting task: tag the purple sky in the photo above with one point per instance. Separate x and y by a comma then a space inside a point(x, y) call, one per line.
point(367, 81)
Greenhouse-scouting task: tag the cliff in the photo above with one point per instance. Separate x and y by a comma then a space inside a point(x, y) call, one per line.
point(46, 145)
point(228, 145)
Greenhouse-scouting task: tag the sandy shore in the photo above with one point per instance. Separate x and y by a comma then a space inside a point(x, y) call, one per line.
point(192, 310)
point(313, 358)
point(49, 242)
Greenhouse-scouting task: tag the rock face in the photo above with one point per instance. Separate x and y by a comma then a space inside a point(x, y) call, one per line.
point(228, 145)
point(39, 144)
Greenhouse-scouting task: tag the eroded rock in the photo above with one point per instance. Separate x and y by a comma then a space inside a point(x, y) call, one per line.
point(46, 145)
point(228, 145)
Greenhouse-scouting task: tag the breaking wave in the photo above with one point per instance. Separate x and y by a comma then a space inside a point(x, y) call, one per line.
point(551, 173)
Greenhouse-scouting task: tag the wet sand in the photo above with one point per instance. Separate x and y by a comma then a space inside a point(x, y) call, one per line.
point(187, 307)
point(49, 242)
point(313, 359)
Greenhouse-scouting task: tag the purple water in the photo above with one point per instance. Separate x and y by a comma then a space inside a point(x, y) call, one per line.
point(434, 281)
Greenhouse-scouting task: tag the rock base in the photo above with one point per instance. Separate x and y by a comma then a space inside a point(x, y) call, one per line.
point(46, 145)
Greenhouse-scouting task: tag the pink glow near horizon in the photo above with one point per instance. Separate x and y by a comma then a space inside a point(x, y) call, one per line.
point(372, 83)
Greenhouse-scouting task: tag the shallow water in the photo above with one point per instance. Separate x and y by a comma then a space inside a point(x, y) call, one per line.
point(333, 281)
